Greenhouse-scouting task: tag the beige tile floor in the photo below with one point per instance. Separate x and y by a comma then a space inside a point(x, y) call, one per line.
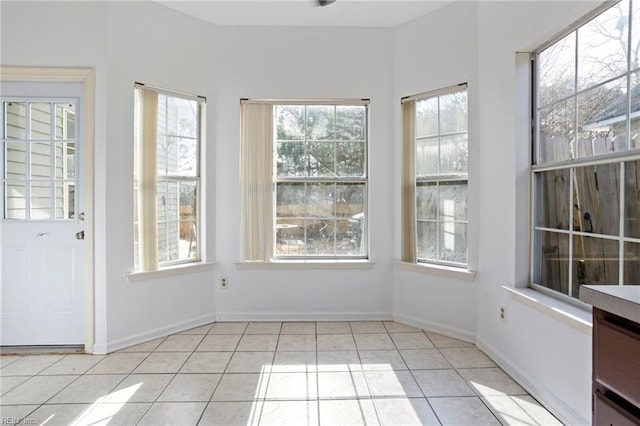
point(326, 373)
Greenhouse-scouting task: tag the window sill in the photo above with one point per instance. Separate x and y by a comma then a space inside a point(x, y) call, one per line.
point(171, 271)
point(571, 315)
point(440, 270)
point(307, 264)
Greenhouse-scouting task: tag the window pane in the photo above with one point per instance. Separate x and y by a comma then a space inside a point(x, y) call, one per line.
point(292, 159)
point(65, 200)
point(552, 204)
point(347, 238)
point(632, 199)
point(15, 122)
point(182, 117)
point(162, 155)
point(65, 121)
point(171, 155)
point(453, 201)
point(40, 120)
point(40, 201)
point(290, 200)
point(322, 157)
point(163, 243)
point(453, 241)
point(188, 244)
point(173, 240)
point(596, 199)
point(426, 157)
point(427, 240)
point(320, 122)
point(188, 207)
point(634, 140)
point(551, 268)
point(15, 161)
point(171, 203)
point(602, 46)
point(16, 195)
point(602, 119)
point(41, 160)
point(161, 201)
point(350, 158)
point(556, 132)
point(321, 200)
point(427, 201)
point(290, 122)
point(631, 264)
point(453, 154)
point(427, 117)
point(290, 238)
point(65, 160)
point(453, 113)
point(350, 123)
point(187, 157)
point(556, 71)
point(595, 262)
point(349, 199)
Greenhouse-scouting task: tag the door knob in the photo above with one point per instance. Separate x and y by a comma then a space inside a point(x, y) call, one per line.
point(80, 235)
point(81, 216)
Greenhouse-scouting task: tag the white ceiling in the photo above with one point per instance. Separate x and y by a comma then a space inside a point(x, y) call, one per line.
point(342, 13)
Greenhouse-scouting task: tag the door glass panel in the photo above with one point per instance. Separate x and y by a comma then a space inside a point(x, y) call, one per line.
point(65, 121)
point(16, 201)
point(15, 120)
point(40, 200)
point(40, 120)
point(15, 161)
point(65, 160)
point(40, 160)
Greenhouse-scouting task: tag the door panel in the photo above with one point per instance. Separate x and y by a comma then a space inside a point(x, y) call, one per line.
point(42, 285)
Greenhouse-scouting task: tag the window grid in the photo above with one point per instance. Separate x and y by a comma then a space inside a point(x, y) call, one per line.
point(176, 234)
point(445, 224)
point(598, 216)
point(310, 232)
point(53, 140)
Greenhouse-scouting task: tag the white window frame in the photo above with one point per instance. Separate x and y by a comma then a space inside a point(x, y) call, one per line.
point(146, 201)
point(410, 217)
point(258, 180)
point(538, 167)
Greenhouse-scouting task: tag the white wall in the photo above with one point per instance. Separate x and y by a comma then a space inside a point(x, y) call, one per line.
point(431, 53)
point(123, 42)
point(549, 356)
point(305, 63)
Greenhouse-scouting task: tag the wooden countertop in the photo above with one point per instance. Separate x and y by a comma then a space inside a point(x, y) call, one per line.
point(623, 301)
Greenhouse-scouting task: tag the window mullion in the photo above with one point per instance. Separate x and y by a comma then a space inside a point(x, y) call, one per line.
point(621, 224)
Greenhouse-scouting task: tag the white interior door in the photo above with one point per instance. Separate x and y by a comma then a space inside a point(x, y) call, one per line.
point(42, 257)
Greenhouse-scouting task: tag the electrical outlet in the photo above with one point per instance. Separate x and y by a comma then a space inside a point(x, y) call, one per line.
point(503, 313)
point(224, 282)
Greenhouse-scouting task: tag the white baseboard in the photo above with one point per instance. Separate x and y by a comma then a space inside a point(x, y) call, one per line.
point(436, 327)
point(136, 339)
point(547, 398)
point(303, 316)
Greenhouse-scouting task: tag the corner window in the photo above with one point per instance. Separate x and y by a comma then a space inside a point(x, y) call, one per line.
point(435, 172)
point(586, 162)
point(167, 178)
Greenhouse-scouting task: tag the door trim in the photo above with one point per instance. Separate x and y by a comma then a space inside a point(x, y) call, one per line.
point(85, 76)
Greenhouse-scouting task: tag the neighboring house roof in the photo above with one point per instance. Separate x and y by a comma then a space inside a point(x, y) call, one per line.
point(617, 111)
